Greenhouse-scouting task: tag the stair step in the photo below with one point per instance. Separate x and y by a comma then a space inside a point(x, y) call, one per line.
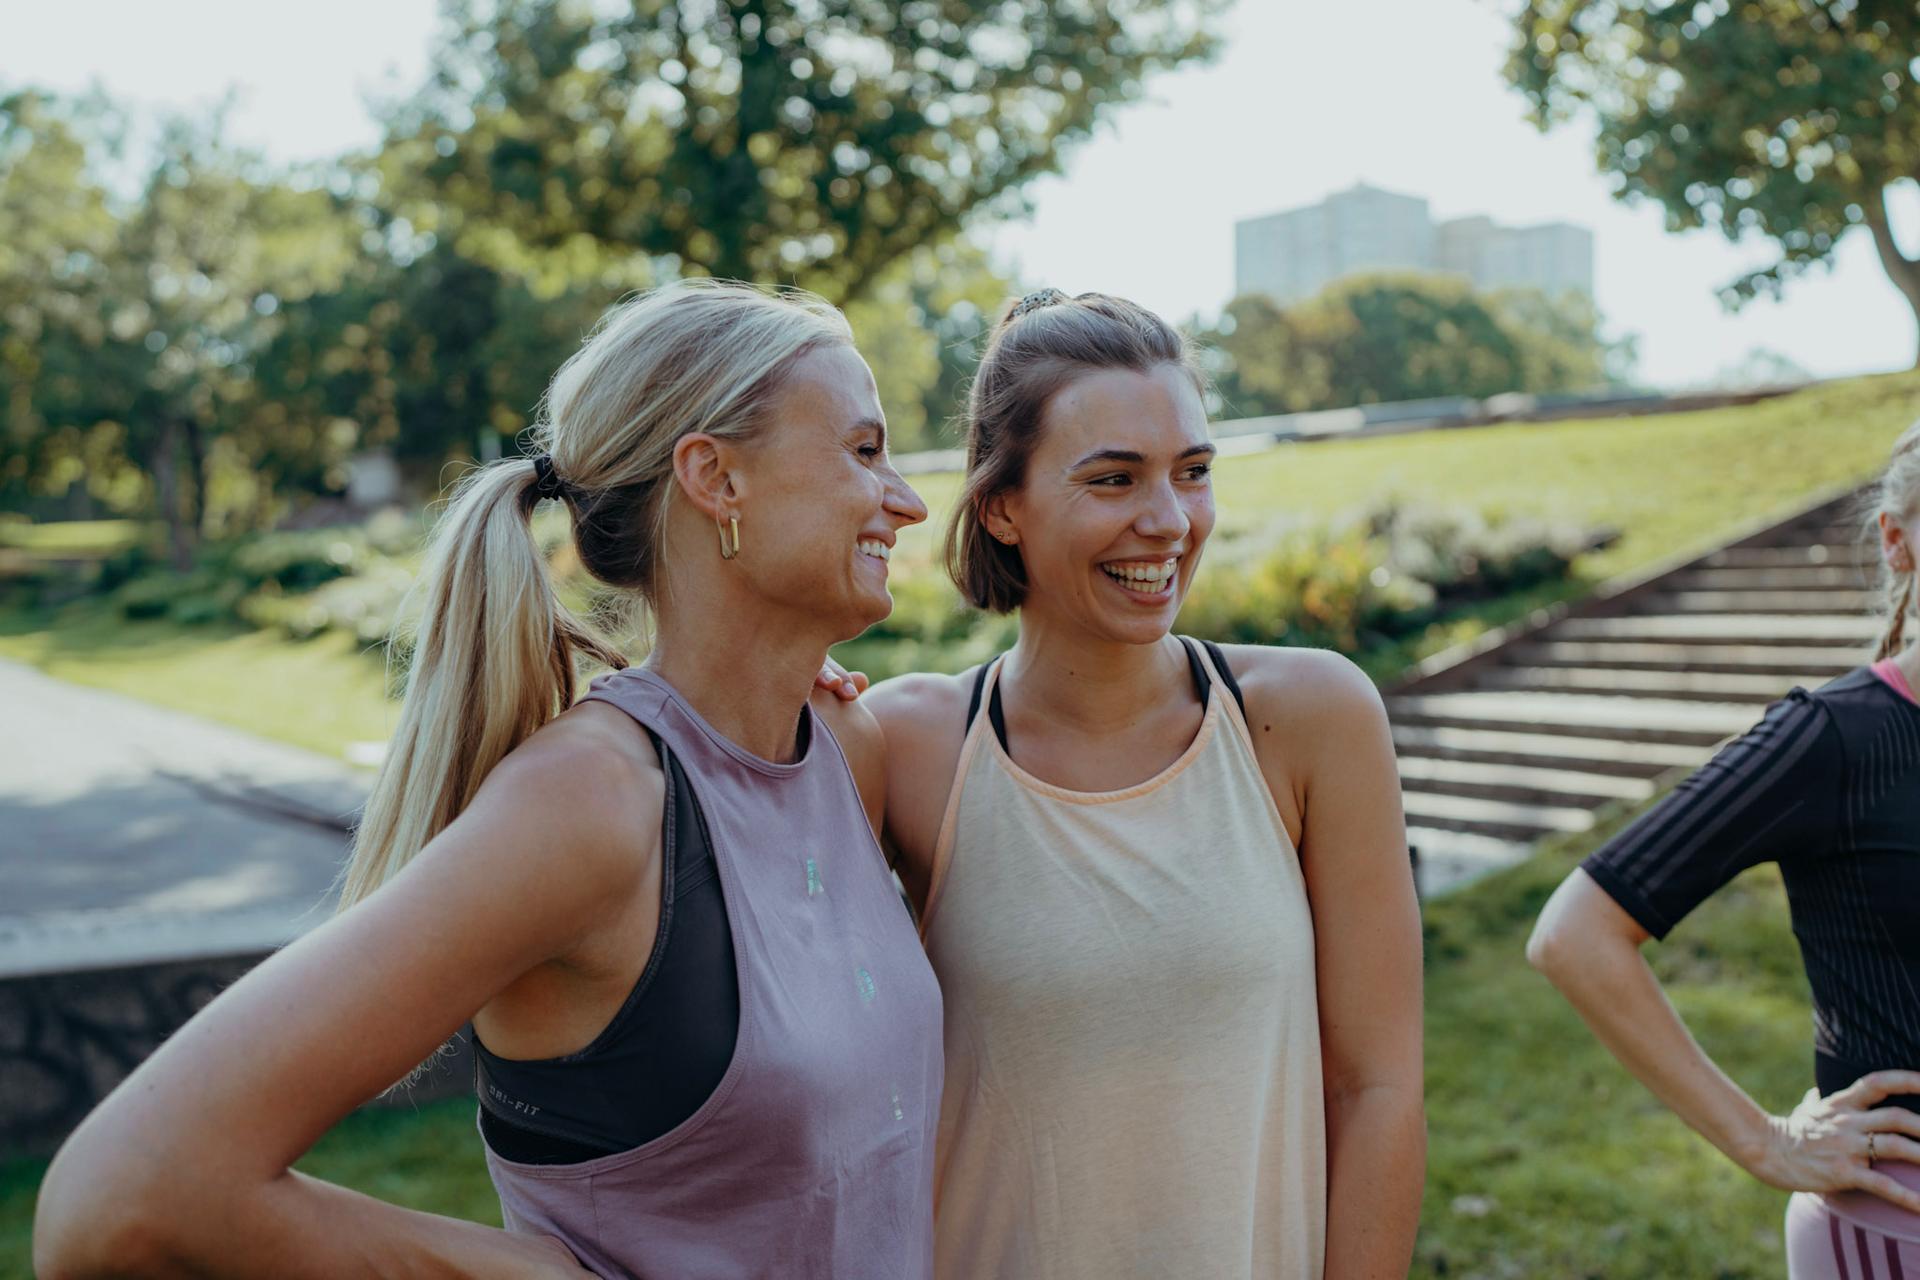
point(1857, 631)
point(1772, 660)
point(1499, 818)
point(1822, 601)
point(1625, 759)
point(1794, 556)
point(1697, 686)
point(1587, 715)
point(1450, 859)
point(1527, 784)
point(1797, 577)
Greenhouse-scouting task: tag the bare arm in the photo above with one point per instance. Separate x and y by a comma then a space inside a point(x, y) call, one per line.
point(922, 723)
point(1323, 735)
point(1589, 947)
point(184, 1169)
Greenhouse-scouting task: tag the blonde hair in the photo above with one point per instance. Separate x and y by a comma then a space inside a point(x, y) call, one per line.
point(493, 654)
point(1898, 496)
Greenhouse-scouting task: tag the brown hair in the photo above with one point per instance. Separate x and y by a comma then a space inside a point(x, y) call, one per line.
point(1040, 344)
point(1897, 495)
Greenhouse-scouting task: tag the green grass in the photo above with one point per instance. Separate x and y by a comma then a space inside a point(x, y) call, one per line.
point(70, 538)
point(1547, 1159)
point(321, 694)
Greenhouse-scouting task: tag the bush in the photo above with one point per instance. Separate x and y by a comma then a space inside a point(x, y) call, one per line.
point(1389, 574)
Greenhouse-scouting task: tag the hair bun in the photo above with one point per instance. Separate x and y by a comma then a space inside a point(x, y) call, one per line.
point(1035, 301)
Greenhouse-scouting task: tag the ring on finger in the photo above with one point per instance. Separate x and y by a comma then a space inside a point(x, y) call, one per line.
point(1869, 1146)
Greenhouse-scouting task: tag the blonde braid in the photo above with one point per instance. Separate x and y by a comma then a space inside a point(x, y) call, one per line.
point(1898, 496)
point(1897, 605)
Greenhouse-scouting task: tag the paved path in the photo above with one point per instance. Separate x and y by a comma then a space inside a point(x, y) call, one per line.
point(132, 834)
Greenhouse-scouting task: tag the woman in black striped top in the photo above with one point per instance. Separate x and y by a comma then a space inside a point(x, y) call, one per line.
point(1827, 785)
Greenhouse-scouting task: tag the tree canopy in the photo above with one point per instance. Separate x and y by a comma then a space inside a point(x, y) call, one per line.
point(813, 142)
point(1380, 338)
point(1786, 118)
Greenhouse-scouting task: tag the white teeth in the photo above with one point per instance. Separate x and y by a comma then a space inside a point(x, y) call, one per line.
point(1152, 574)
point(874, 547)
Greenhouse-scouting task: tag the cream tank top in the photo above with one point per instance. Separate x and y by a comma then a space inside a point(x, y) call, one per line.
point(1132, 1024)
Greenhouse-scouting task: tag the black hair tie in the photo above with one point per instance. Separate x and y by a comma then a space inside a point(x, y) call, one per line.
point(546, 482)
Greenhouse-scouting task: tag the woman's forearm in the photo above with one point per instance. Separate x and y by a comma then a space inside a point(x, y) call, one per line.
point(1376, 1171)
point(1609, 983)
point(293, 1226)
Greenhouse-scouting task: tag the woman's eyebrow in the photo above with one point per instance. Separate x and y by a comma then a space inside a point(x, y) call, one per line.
point(1128, 455)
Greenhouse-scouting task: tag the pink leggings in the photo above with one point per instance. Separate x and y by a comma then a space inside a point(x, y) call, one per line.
point(1854, 1235)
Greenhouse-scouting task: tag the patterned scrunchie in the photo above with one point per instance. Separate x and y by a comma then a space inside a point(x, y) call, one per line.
point(1035, 301)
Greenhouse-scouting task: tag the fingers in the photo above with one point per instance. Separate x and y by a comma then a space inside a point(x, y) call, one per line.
point(1891, 1146)
point(1869, 1089)
point(860, 681)
point(1893, 1120)
point(1887, 1189)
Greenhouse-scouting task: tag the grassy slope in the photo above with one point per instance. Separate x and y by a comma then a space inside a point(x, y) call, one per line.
point(1547, 1159)
point(320, 694)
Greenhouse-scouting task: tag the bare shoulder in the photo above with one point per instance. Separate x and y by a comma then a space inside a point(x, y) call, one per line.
point(921, 706)
point(851, 723)
point(1315, 689)
point(587, 786)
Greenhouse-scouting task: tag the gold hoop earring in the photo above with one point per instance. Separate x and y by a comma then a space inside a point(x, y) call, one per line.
point(729, 552)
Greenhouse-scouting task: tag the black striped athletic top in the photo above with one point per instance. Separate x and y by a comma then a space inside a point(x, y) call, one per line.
point(1827, 785)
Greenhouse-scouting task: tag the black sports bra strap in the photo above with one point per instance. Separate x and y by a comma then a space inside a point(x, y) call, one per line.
point(1226, 675)
point(1202, 687)
point(979, 682)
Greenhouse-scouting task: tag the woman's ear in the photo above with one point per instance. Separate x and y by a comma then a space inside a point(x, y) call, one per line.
point(1894, 547)
point(998, 520)
point(706, 468)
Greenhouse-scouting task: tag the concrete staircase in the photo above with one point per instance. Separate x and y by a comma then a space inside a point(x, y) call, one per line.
point(1539, 728)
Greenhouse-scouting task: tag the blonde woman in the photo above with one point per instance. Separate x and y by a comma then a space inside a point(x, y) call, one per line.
point(1828, 786)
point(708, 1040)
point(1165, 887)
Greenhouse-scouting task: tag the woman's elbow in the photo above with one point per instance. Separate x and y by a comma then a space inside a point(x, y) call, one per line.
point(1546, 947)
point(92, 1220)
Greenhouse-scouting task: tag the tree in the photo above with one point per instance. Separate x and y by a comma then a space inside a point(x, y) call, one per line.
point(921, 329)
point(1790, 118)
point(1381, 338)
point(801, 141)
point(141, 316)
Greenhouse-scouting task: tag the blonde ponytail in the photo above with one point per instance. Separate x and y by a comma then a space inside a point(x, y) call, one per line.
point(493, 657)
point(492, 661)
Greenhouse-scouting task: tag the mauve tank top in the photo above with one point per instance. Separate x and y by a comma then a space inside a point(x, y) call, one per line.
point(814, 1155)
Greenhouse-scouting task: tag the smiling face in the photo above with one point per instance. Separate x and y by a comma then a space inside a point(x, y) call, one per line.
point(1116, 504)
point(819, 501)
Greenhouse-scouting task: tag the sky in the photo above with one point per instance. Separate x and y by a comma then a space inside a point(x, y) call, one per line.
point(1306, 99)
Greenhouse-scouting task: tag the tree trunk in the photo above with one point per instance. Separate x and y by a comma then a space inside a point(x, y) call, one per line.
point(194, 510)
point(1902, 270)
point(166, 485)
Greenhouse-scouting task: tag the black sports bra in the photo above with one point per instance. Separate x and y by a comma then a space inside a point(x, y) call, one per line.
point(664, 1052)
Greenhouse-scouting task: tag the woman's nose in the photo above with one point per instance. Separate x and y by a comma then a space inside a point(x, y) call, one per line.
point(905, 504)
